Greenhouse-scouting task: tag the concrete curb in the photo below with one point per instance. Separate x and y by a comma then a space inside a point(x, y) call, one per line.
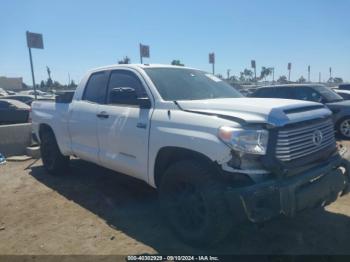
point(14, 139)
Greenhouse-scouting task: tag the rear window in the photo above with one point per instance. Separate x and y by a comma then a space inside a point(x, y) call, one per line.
point(95, 90)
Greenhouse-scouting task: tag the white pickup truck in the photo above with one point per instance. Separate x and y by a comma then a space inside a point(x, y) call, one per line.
point(216, 158)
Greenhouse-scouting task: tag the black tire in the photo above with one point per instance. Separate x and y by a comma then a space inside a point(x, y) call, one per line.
point(53, 160)
point(343, 128)
point(193, 203)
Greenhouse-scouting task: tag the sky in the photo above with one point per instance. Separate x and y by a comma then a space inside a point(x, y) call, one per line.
point(83, 34)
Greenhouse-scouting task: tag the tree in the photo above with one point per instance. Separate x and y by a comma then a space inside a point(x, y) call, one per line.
point(265, 72)
point(125, 60)
point(301, 80)
point(338, 80)
point(282, 80)
point(49, 83)
point(246, 75)
point(241, 77)
point(42, 85)
point(72, 84)
point(177, 63)
point(233, 79)
point(56, 84)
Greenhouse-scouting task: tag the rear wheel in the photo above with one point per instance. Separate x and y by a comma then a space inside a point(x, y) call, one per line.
point(53, 160)
point(192, 201)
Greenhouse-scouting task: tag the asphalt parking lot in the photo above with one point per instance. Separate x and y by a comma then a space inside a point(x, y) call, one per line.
point(92, 210)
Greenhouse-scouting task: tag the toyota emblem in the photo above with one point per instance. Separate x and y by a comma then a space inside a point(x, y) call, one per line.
point(317, 138)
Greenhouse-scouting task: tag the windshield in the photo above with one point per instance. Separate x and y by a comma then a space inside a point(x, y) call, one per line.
point(188, 84)
point(328, 94)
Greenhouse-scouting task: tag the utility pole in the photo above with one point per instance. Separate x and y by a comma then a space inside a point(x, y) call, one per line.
point(308, 73)
point(228, 74)
point(273, 75)
point(330, 72)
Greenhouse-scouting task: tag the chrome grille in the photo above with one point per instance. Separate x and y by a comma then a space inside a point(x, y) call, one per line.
point(299, 142)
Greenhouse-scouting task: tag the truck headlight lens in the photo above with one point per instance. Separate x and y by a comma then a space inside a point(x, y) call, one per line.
point(247, 141)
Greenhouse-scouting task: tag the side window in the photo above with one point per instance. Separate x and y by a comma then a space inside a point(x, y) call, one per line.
point(283, 92)
point(128, 86)
point(4, 105)
point(306, 93)
point(95, 90)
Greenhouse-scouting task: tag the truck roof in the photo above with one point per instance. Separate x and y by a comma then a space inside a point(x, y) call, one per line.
point(138, 66)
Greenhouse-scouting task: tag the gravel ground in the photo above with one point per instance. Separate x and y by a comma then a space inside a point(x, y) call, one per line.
point(92, 210)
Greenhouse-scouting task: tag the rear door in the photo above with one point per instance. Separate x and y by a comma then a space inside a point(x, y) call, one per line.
point(123, 133)
point(84, 116)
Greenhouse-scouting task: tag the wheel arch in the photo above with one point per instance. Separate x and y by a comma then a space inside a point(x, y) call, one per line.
point(45, 128)
point(170, 154)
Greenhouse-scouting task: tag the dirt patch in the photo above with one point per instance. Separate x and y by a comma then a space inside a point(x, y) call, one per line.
point(91, 210)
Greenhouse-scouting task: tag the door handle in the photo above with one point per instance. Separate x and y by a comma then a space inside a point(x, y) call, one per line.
point(141, 125)
point(103, 114)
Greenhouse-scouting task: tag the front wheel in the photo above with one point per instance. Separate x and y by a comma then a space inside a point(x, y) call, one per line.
point(193, 203)
point(53, 160)
point(343, 128)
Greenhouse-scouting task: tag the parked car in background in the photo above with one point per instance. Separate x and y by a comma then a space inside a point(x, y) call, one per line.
point(9, 92)
point(3, 92)
point(13, 112)
point(345, 94)
point(315, 93)
point(27, 99)
point(38, 93)
point(344, 87)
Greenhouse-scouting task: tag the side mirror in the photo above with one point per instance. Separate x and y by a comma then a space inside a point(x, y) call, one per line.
point(123, 95)
point(128, 96)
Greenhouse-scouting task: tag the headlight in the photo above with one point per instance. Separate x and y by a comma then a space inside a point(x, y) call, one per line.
point(247, 141)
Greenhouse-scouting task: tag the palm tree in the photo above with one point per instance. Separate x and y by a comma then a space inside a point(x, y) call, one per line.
point(248, 74)
point(125, 60)
point(265, 72)
point(177, 63)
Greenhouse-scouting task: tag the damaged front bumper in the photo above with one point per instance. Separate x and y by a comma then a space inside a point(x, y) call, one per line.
point(316, 187)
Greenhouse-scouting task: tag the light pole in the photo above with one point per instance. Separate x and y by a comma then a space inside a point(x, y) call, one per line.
point(212, 61)
point(253, 65)
point(289, 69)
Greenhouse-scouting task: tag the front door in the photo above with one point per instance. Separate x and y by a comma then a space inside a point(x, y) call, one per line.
point(123, 132)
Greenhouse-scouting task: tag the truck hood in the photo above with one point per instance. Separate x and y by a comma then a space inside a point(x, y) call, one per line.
point(276, 112)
